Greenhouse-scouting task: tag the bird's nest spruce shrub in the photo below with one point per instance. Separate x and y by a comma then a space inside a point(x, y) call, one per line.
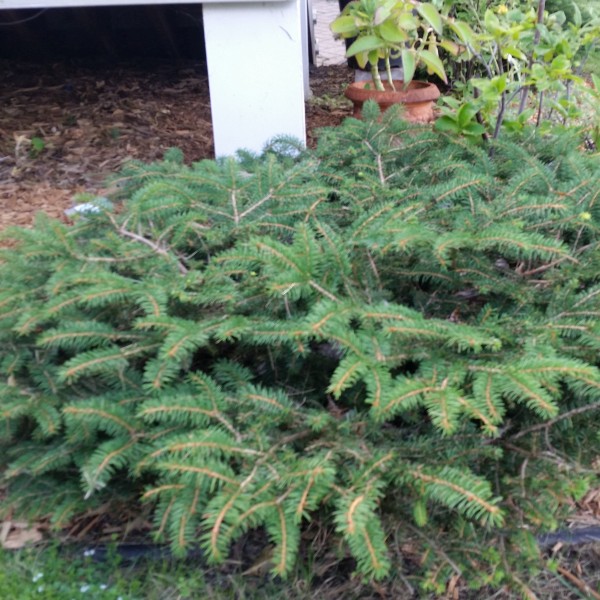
point(395, 335)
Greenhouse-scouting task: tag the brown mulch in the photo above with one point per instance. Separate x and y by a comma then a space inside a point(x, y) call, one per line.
point(65, 127)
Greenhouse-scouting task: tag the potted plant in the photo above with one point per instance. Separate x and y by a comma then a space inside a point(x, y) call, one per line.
point(407, 29)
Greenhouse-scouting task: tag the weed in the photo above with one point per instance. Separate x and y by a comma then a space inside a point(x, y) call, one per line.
point(38, 145)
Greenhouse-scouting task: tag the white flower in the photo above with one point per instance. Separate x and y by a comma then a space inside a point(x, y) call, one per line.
point(86, 208)
point(102, 586)
point(84, 588)
point(513, 61)
point(40, 589)
point(89, 552)
point(37, 577)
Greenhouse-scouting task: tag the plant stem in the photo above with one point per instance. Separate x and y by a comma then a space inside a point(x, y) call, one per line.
point(540, 108)
point(479, 116)
point(568, 99)
point(536, 41)
point(499, 119)
point(480, 58)
point(502, 104)
point(547, 424)
point(388, 70)
point(376, 78)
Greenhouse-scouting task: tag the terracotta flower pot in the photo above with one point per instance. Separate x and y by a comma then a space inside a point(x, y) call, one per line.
point(417, 99)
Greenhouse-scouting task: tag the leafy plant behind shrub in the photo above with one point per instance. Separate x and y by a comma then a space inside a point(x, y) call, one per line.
point(374, 335)
point(522, 63)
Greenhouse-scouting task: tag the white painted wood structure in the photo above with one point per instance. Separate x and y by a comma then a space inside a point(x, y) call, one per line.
point(257, 59)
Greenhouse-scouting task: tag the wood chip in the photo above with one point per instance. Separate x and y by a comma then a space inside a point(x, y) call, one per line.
point(91, 119)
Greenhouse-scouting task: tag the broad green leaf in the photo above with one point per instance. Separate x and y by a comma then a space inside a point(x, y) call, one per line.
point(560, 63)
point(574, 78)
point(345, 26)
point(446, 124)
point(474, 129)
point(465, 115)
point(526, 115)
point(408, 64)
point(463, 31)
point(433, 64)
point(381, 14)
point(485, 85)
point(374, 57)
point(362, 58)
point(512, 125)
point(577, 18)
point(538, 71)
point(407, 21)
point(562, 111)
point(560, 16)
point(365, 44)
point(499, 83)
point(548, 56)
point(390, 33)
point(513, 51)
point(492, 23)
point(450, 47)
point(431, 15)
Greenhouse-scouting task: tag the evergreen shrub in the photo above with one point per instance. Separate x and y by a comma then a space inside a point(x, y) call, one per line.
point(393, 336)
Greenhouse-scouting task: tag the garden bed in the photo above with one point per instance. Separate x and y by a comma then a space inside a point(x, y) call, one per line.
point(65, 127)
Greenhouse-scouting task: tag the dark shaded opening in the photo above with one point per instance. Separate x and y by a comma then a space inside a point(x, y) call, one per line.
point(111, 33)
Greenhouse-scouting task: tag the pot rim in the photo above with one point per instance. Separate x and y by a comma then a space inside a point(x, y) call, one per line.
point(418, 91)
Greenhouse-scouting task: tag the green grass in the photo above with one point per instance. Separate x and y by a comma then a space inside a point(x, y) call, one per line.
point(47, 574)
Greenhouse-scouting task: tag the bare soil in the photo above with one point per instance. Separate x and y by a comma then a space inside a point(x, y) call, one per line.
point(64, 127)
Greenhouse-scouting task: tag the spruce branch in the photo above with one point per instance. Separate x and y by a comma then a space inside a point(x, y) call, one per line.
point(548, 424)
point(323, 291)
point(580, 584)
point(437, 547)
point(156, 247)
point(378, 158)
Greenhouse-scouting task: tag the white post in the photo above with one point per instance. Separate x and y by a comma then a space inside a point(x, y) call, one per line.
point(255, 68)
point(305, 15)
point(257, 57)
